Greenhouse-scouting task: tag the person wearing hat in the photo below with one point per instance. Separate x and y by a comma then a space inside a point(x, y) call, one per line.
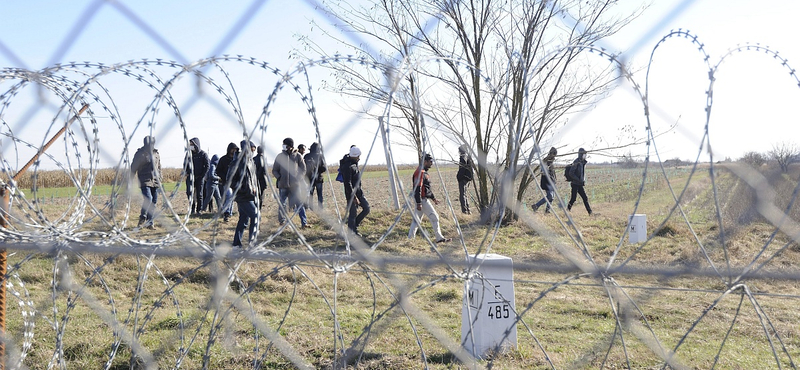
point(423, 195)
point(352, 189)
point(289, 171)
point(146, 165)
point(547, 182)
point(245, 186)
point(464, 176)
point(578, 176)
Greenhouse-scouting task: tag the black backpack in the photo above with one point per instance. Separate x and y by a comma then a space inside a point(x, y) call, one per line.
point(568, 172)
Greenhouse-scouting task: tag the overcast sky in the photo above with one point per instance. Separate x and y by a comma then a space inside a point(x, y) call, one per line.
point(754, 96)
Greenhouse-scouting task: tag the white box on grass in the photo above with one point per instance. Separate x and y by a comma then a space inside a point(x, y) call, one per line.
point(637, 228)
point(488, 314)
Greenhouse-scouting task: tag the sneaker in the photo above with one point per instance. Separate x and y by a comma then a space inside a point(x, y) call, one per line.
point(306, 226)
point(141, 222)
point(445, 240)
point(535, 207)
point(226, 216)
point(151, 226)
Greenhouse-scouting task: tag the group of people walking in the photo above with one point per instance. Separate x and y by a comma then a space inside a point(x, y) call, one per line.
point(575, 173)
point(240, 176)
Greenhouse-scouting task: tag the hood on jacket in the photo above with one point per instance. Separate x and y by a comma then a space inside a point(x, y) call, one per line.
point(314, 148)
point(196, 142)
point(149, 141)
point(214, 159)
point(231, 146)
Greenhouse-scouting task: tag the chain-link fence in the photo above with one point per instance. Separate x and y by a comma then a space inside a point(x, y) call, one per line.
point(91, 285)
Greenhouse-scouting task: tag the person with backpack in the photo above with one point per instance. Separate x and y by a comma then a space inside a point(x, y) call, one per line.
point(464, 176)
point(315, 167)
point(423, 195)
point(339, 175)
point(547, 182)
point(577, 180)
point(352, 189)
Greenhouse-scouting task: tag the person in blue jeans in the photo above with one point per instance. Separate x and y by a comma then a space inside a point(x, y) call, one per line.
point(243, 182)
point(548, 181)
point(212, 186)
point(146, 165)
point(289, 171)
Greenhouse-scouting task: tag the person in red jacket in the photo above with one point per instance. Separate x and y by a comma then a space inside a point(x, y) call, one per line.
point(425, 200)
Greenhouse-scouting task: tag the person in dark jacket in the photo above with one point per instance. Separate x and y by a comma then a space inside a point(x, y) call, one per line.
point(423, 197)
point(146, 165)
point(578, 175)
point(243, 182)
point(196, 176)
point(548, 180)
point(464, 176)
point(261, 175)
point(352, 189)
point(289, 171)
point(212, 186)
point(315, 167)
point(222, 173)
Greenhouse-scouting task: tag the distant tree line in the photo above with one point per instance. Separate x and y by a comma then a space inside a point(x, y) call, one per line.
point(783, 154)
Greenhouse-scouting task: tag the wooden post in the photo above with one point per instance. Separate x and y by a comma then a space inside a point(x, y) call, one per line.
point(5, 192)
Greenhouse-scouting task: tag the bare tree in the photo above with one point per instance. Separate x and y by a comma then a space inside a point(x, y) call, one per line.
point(784, 153)
point(509, 73)
point(754, 159)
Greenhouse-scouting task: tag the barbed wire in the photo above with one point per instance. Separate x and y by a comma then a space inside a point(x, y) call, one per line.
point(91, 234)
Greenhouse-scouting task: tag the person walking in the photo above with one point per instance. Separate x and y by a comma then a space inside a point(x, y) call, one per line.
point(212, 186)
point(353, 191)
point(146, 165)
point(548, 181)
point(222, 173)
point(578, 181)
point(464, 177)
point(243, 181)
point(196, 168)
point(289, 171)
point(423, 195)
point(315, 167)
point(261, 175)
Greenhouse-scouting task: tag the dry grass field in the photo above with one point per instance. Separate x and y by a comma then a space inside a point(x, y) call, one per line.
point(330, 316)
